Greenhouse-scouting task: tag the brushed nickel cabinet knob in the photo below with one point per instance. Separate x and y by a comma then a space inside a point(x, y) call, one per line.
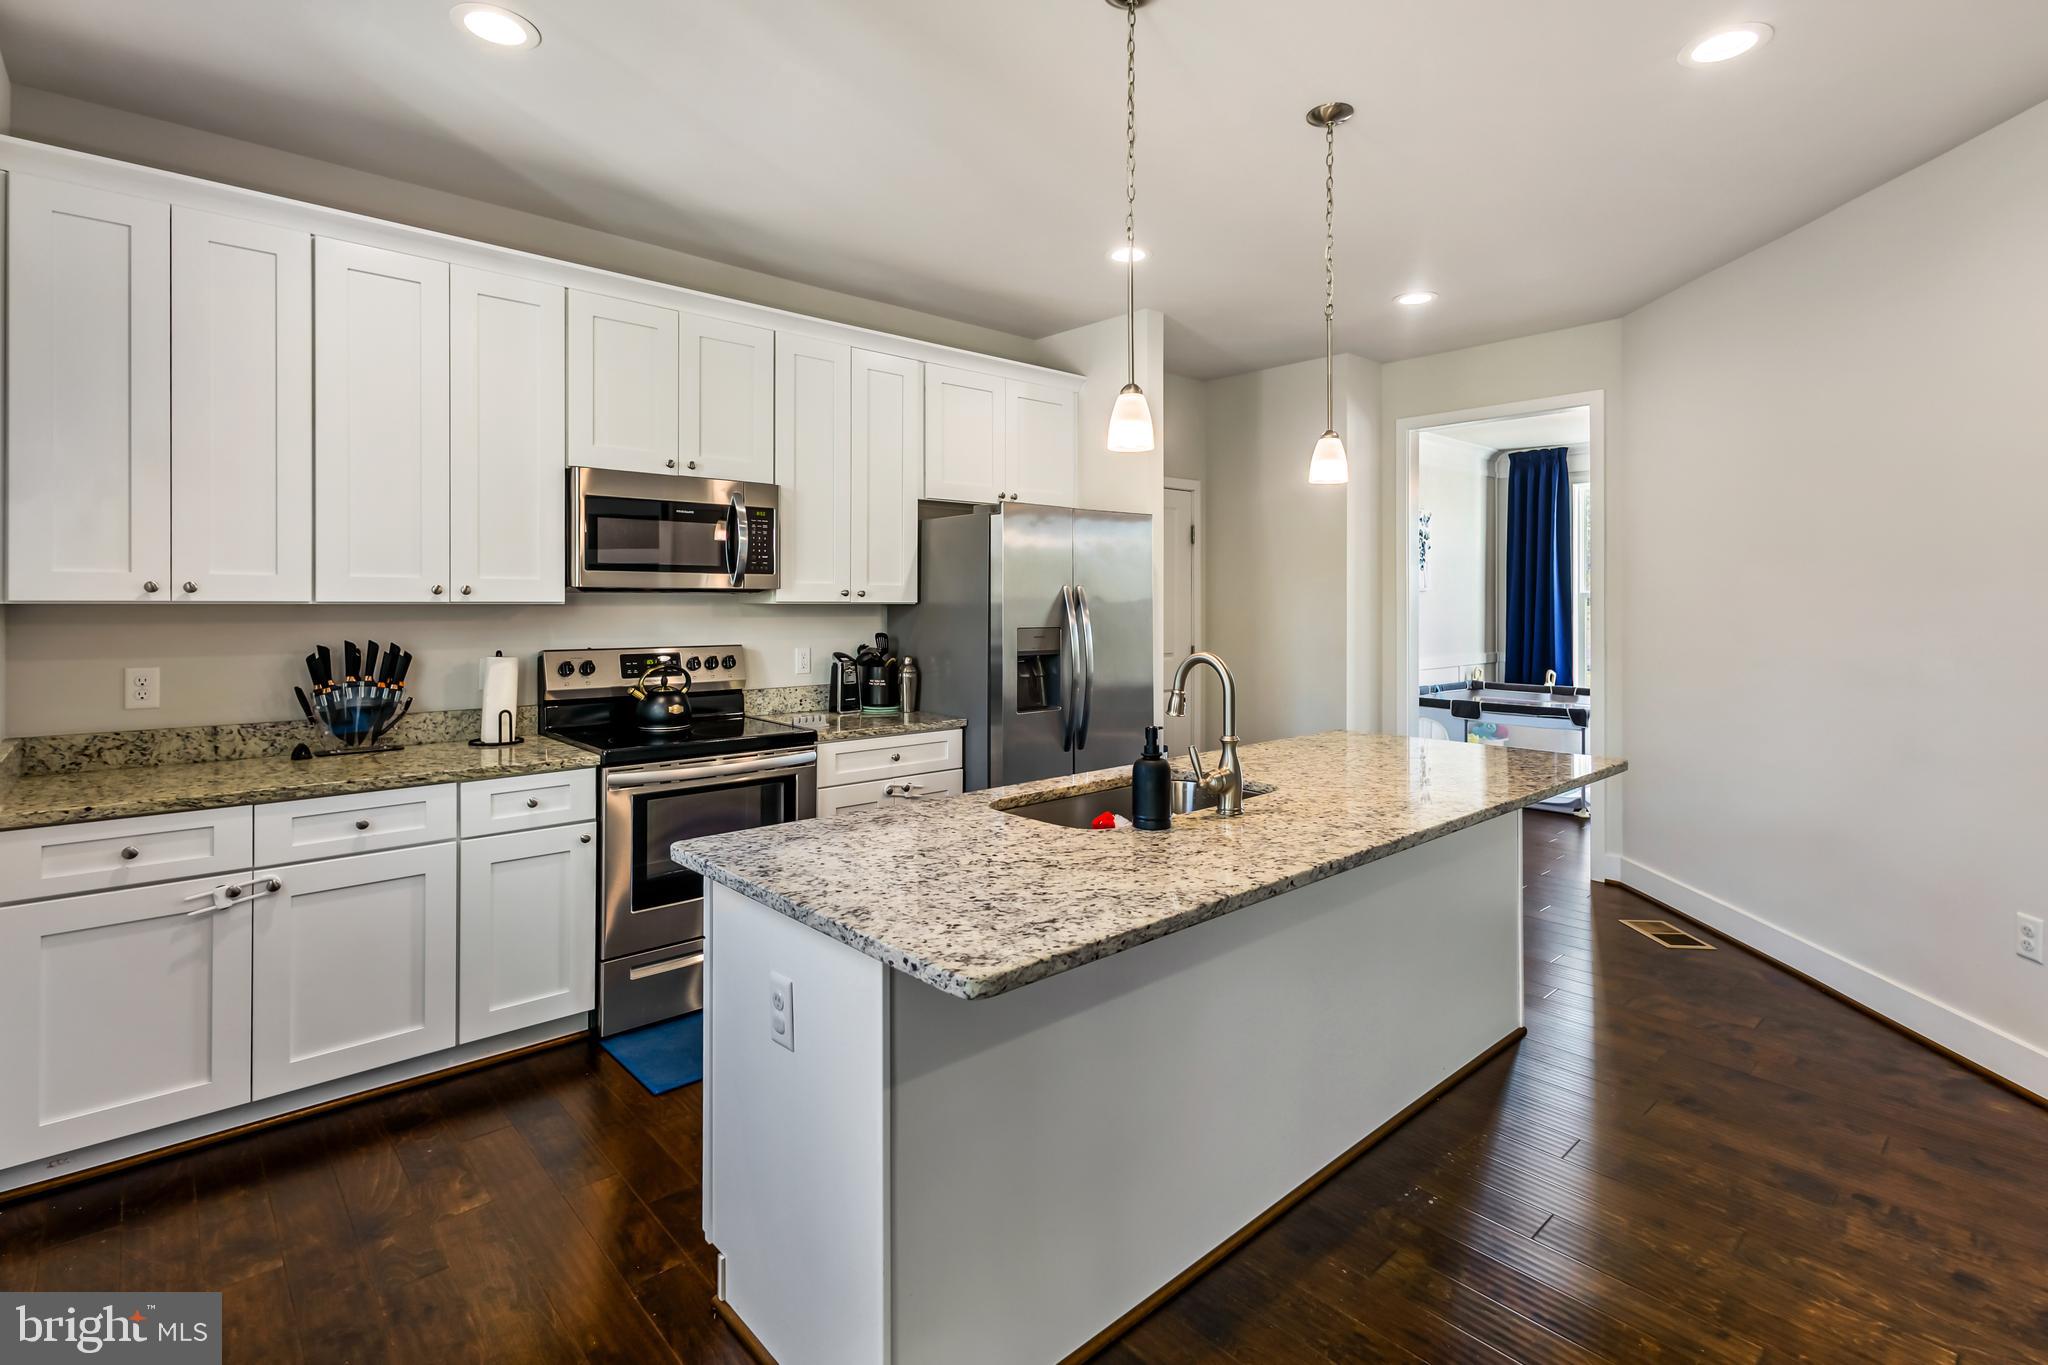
point(149, 586)
point(438, 590)
point(362, 824)
point(190, 586)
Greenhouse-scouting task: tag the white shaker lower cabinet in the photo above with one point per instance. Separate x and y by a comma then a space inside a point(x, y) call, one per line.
point(120, 1011)
point(529, 946)
point(866, 774)
point(872, 795)
point(354, 965)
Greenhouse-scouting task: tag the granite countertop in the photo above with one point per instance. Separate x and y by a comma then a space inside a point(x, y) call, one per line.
point(854, 725)
point(60, 798)
point(975, 901)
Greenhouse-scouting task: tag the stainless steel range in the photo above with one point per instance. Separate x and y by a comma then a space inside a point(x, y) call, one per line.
point(722, 771)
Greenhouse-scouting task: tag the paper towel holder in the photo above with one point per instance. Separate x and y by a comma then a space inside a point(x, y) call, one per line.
point(507, 723)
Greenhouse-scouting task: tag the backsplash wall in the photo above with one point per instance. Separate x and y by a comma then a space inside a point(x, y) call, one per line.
point(227, 664)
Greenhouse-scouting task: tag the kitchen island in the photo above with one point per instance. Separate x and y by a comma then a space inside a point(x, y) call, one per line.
point(979, 1086)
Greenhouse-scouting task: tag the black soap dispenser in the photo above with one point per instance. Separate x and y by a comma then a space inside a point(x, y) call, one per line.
point(1152, 784)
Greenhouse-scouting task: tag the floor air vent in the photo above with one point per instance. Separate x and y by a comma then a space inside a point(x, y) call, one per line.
point(1667, 934)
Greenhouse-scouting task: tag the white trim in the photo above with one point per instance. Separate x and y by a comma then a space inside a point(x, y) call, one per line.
point(83, 168)
point(1399, 646)
point(1198, 720)
point(1985, 1044)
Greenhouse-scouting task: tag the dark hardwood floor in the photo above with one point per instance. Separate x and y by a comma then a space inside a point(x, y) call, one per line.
point(1692, 1156)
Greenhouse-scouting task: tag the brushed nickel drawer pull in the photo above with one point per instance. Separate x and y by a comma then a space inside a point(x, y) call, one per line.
point(532, 801)
point(362, 824)
point(130, 853)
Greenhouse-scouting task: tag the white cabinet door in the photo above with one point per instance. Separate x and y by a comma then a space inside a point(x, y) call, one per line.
point(964, 433)
point(888, 475)
point(1039, 444)
point(354, 966)
point(814, 462)
point(241, 411)
point(121, 1012)
point(529, 939)
point(623, 376)
point(88, 395)
point(380, 425)
point(728, 404)
point(505, 480)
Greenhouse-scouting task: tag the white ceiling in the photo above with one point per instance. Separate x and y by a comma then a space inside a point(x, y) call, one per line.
point(1571, 427)
point(1540, 164)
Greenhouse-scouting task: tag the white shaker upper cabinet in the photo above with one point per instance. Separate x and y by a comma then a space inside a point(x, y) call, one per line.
point(888, 475)
point(88, 395)
point(1039, 443)
point(813, 456)
point(964, 434)
point(505, 439)
point(380, 433)
point(241, 411)
point(624, 377)
point(728, 400)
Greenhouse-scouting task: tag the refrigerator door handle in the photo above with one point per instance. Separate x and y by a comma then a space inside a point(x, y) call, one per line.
point(1087, 652)
point(1070, 666)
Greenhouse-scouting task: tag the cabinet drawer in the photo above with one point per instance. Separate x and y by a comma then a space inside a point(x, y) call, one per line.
point(852, 796)
point(105, 855)
point(868, 760)
point(504, 804)
point(369, 822)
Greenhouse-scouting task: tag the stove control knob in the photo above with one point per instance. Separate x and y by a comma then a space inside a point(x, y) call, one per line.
point(711, 663)
point(729, 662)
point(587, 667)
point(694, 664)
point(565, 668)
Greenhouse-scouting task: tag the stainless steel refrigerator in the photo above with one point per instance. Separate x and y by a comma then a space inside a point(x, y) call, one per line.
point(1035, 624)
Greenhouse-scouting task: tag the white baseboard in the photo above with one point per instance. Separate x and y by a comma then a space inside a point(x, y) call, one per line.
point(1986, 1045)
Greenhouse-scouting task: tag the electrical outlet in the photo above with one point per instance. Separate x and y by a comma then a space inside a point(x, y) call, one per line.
point(803, 663)
point(2029, 943)
point(141, 691)
point(782, 1010)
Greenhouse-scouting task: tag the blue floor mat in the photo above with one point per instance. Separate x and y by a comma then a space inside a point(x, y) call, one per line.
point(663, 1056)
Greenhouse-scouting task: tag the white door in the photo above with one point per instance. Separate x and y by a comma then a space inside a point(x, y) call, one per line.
point(728, 403)
point(505, 479)
point(380, 425)
point(963, 432)
point(241, 410)
point(354, 966)
point(1039, 443)
point(888, 475)
point(119, 1012)
point(622, 384)
point(813, 443)
point(1181, 609)
point(529, 941)
point(88, 395)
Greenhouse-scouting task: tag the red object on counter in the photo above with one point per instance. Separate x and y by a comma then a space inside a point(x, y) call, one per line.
point(1106, 820)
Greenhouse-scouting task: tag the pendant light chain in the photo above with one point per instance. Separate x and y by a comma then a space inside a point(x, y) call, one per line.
point(1330, 276)
point(1131, 190)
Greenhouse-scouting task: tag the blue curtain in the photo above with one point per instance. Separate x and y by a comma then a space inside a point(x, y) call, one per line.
point(1539, 567)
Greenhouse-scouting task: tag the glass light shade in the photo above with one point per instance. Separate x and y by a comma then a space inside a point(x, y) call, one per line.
point(1130, 422)
point(1328, 464)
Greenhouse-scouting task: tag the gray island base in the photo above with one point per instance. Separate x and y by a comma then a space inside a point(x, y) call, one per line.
point(1042, 1073)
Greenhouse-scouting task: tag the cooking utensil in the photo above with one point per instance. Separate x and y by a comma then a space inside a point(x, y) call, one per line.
point(305, 705)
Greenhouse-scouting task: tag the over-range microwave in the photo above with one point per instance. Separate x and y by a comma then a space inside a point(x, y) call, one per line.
point(669, 532)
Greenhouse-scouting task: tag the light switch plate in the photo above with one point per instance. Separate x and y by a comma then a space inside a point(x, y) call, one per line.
point(782, 1010)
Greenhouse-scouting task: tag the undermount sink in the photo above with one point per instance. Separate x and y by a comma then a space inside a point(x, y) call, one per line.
point(1079, 812)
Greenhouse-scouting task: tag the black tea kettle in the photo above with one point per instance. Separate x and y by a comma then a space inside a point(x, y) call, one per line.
point(661, 701)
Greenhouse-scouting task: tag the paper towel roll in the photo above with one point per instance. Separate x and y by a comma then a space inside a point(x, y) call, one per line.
point(501, 695)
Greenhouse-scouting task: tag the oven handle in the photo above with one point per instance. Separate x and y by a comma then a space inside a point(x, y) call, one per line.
point(674, 964)
point(696, 774)
point(739, 540)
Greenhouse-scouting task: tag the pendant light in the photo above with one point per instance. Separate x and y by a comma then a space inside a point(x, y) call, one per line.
point(1130, 421)
point(1328, 464)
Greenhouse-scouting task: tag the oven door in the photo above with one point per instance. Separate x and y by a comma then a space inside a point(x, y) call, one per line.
point(645, 532)
point(649, 901)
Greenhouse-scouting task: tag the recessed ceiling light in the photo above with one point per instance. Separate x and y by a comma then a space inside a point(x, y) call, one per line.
point(1124, 255)
point(1415, 298)
point(1728, 43)
point(496, 26)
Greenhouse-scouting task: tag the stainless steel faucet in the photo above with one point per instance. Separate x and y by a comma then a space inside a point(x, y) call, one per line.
point(1226, 784)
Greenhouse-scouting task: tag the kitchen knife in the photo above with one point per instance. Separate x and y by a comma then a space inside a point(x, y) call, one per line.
point(305, 705)
point(313, 670)
point(352, 659)
point(370, 662)
point(404, 667)
point(326, 667)
point(390, 668)
point(396, 716)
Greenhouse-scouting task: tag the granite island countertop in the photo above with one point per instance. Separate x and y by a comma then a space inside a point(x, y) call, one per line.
point(974, 901)
point(62, 798)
